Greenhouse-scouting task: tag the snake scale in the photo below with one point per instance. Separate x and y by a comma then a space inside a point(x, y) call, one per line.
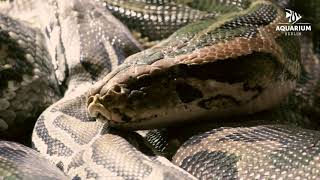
point(221, 96)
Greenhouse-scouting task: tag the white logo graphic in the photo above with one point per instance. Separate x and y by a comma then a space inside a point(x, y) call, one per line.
point(292, 16)
point(293, 27)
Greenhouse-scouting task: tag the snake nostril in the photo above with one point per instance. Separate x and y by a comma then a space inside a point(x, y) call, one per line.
point(90, 100)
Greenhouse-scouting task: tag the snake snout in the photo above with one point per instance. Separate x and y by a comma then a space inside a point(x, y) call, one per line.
point(107, 104)
point(96, 107)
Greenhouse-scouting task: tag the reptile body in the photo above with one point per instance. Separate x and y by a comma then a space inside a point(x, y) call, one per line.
point(223, 60)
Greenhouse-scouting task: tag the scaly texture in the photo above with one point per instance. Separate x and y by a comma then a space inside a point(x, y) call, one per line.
point(231, 46)
point(20, 162)
point(252, 153)
point(28, 84)
point(189, 69)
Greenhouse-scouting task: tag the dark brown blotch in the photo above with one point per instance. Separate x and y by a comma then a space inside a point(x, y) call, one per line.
point(187, 93)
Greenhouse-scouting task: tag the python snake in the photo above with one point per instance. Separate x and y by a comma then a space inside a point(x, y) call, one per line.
point(225, 89)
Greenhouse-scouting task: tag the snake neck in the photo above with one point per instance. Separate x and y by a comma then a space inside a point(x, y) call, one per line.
point(302, 105)
point(304, 101)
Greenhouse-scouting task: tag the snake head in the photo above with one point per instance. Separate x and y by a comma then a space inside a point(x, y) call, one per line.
point(140, 96)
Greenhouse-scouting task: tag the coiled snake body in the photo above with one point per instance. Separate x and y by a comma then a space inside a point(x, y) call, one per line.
point(227, 67)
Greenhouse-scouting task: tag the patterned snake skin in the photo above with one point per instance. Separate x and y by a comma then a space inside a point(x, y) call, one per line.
point(75, 62)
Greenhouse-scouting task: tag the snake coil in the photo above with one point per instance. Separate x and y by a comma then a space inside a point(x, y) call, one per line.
point(226, 92)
